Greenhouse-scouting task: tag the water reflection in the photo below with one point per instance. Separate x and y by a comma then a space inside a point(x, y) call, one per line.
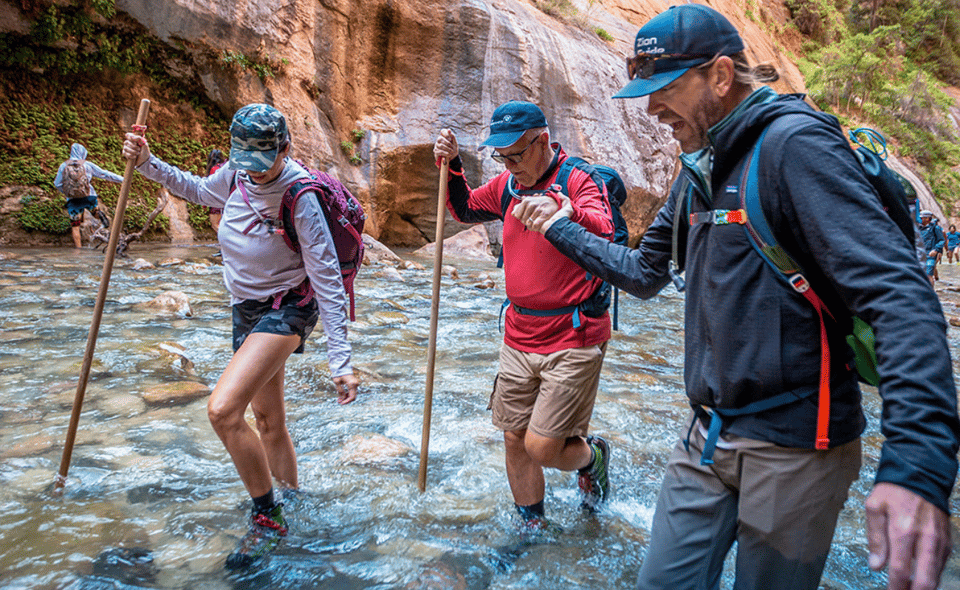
point(153, 501)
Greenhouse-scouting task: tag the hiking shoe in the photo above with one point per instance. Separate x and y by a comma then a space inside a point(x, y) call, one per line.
point(594, 480)
point(263, 537)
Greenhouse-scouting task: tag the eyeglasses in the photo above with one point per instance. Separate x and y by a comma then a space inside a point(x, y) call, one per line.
point(642, 65)
point(513, 158)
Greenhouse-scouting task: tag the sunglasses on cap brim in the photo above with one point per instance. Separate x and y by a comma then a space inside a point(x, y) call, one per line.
point(643, 65)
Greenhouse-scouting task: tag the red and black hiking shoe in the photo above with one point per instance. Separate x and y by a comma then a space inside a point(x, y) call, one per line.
point(264, 535)
point(594, 479)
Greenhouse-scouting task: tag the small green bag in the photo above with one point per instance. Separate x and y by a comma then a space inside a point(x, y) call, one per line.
point(863, 344)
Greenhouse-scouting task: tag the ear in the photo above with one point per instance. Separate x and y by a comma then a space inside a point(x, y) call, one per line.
point(723, 76)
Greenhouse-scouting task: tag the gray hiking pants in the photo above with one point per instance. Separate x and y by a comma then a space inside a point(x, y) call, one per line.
point(780, 505)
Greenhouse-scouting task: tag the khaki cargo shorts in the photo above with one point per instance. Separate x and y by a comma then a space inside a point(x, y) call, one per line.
point(551, 395)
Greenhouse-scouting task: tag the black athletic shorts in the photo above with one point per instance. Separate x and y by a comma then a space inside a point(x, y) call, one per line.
point(259, 316)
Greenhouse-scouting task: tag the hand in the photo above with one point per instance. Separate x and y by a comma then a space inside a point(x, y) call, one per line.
point(135, 148)
point(908, 535)
point(346, 388)
point(539, 213)
point(446, 146)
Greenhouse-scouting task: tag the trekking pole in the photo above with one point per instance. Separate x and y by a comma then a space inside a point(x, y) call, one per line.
point(108, 257)
point(434, 312)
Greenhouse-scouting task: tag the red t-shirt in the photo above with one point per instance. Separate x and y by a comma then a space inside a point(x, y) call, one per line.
point(537, 275)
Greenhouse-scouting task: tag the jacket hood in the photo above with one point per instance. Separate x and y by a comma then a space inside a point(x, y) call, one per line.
point(734, 136)
point(78, 152)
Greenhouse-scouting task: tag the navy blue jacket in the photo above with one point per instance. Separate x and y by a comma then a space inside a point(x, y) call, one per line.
point(748, 336)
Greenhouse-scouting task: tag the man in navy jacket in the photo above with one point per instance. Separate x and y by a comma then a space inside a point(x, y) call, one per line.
point(753, 345)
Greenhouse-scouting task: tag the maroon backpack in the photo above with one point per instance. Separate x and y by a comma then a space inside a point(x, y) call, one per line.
point(345, 218)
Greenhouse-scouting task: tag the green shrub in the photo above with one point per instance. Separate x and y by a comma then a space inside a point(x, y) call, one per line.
point(603, 34)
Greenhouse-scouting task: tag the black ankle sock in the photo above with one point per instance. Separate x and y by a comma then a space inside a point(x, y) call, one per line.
point(593, 459)
point(531, 511)
point(264, 503)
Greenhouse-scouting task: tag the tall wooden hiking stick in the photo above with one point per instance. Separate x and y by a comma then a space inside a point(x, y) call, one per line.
point(434, 312)
point(108, 256)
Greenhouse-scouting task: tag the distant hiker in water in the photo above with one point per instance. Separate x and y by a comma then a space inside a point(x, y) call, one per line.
point(277, 296)
point(757, 466)
point(553, 345)
point(953, 244)
point(933, 240)
point(74, 180)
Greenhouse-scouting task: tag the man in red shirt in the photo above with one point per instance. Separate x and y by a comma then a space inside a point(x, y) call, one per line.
point(556, 326)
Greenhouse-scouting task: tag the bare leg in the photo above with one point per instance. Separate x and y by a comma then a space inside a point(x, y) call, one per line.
point(270, 412)
point(565, 454)
point(250, 370)
point(523, 473)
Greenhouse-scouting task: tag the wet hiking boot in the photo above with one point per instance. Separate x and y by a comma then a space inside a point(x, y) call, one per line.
point(263, 537)
point(594, 480)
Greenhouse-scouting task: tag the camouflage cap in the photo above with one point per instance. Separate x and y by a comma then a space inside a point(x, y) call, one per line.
point(256, 134)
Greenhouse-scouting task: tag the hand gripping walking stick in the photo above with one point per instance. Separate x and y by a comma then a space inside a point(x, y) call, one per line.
point(108, 257)
point(434, 312)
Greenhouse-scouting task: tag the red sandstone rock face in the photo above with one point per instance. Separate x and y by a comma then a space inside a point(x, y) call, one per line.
point(401, 70)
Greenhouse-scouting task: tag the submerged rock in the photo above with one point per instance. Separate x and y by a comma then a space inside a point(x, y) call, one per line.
point(169, 302)
point(129, 565)
point(374, 450)
point(181, 392)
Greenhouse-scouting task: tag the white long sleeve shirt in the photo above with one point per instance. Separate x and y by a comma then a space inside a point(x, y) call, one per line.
point(258, 264)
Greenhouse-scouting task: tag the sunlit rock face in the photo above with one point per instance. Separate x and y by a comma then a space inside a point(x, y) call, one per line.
point(399, 71)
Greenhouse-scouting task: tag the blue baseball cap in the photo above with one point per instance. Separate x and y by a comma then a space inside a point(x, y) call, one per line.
point(674, 41)
point(256, 134)
point(510, 121)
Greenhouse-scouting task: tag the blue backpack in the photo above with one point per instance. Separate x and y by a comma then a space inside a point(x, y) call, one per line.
point(603, 176)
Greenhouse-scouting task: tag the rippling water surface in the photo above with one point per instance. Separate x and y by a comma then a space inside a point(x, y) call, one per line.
point(152, 500)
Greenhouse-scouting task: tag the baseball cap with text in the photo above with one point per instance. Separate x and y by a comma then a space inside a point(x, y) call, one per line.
point(674, 41)
point(510, 121)
point(256, 134)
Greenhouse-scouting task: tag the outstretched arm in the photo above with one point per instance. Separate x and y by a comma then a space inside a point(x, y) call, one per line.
point(642, 272)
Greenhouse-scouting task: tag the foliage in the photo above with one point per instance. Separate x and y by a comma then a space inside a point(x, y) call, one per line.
point(603, 34)
point(346, 147)
point(263, 69)
point(43, 214)
point(882, 63)
point(42, 118)
point(358, 134)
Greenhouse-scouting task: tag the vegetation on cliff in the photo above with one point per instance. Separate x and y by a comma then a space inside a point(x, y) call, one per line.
point(883, 63)
point(71, 80)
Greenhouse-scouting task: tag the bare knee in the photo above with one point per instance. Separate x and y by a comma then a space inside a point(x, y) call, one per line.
point(544, 451)
point(222, 417)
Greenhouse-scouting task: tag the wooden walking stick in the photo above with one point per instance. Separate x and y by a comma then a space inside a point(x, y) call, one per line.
point(108, 256)
point(434, 312)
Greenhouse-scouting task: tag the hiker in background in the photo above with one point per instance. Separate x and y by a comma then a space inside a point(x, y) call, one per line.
point(751, 468)
point(276, 295)
point(932, 236)
point(553, 348)
point(953, 245)
point(74, 180)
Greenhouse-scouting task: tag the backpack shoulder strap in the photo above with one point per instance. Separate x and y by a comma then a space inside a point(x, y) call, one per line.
point(765, 243)
point(288, 206)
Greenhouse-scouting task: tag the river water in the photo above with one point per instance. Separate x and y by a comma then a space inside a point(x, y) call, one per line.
point(152, 500)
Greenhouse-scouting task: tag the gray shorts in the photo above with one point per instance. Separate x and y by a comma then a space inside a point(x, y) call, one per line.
point(259, 316)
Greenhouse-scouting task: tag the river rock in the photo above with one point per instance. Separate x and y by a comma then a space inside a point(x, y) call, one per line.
point(175, 302)
point(181, 392)
point(450, 271)
point(142, 264)
point(472, 243)
point(955, 321)
point(389, 273)
point(372, 450)
point(486, 284)
point(376, 253)
point(170, 262)
point(411, 265)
